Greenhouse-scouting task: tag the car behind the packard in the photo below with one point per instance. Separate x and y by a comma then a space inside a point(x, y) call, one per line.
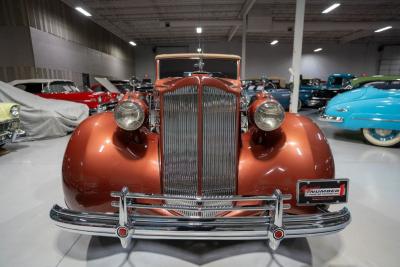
point(201, 162)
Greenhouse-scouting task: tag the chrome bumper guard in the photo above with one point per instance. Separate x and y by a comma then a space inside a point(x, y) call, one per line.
point(327, 118)
point(272, 224)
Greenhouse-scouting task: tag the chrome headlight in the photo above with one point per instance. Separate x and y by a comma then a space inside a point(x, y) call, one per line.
point(269, 115)
point(14, 111)
point(129, 115)
point(99, 99)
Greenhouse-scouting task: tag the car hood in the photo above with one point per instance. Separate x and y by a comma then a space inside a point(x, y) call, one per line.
point(348, 96)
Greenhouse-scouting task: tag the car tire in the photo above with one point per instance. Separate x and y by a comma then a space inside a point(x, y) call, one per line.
point(381, 137)
point(299, 105)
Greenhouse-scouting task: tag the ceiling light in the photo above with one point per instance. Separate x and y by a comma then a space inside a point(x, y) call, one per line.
point(383, 29)
point(274, 42)
point(332, 7)
point(199, 50)
point(132, 43)
point(199, 30)
point(84, 12)
point(318, 49)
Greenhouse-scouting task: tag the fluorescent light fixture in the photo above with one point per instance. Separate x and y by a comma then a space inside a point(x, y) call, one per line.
point(132, 43)
point(84, 12)
point(199, 30)
point(318, 49)
point(332, 7)
point(274, 42)
point(383, 29)
point(199, 50)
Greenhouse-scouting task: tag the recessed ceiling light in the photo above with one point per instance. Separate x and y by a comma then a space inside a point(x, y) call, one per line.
point(199, 30)
point(274, 42)
point(132, 43)
point(84, 12)
point(318, 49)
point(383, 29)
point(332, 7)
point(199, 50)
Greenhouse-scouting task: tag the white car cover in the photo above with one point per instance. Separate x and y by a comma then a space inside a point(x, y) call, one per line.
point(44, 118)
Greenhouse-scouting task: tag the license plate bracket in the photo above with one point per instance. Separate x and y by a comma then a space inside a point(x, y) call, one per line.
point(322, 191)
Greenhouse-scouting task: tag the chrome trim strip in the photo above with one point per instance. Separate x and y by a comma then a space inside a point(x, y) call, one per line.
point(376, 119)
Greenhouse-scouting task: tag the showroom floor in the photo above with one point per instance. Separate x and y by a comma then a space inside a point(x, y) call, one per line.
point(30, 181)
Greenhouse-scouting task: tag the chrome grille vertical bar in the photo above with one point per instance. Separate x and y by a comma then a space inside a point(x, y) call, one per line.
point(180, 155)
point(220, 138)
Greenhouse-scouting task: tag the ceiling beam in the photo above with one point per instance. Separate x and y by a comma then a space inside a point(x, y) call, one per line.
point(203, 23)
point(243, 13)
point(355, 36)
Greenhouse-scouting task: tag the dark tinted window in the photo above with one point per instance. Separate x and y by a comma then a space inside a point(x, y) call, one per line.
point(34, 88)
point(99, 88)
point(221, 68)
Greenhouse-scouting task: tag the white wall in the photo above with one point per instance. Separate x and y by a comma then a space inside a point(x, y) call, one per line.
point(264, 59)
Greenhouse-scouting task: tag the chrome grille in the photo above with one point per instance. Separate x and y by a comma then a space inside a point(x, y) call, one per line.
point(179, 129)
point(219, 142)
point(180, 143)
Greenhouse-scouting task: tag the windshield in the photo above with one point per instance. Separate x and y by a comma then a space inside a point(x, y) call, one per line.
point(61, 87)
point(221, 68)
point(339, 81)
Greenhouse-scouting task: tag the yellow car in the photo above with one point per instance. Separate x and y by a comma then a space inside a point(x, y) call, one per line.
point(9, 123)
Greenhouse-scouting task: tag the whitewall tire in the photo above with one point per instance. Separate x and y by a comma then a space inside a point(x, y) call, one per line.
point(381, 137)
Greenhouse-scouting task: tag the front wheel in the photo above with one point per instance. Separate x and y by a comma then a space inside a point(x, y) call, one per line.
point(382, 137)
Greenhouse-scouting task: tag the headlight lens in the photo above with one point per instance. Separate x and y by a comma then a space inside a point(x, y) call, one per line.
point(14, 111)
point(99, 99)
point(269, 116)
point(129, 115)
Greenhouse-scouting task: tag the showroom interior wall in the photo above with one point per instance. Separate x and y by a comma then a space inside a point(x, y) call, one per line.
point(264, 59)
point(54, 41)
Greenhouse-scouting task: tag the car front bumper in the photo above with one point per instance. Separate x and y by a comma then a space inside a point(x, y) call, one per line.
point(103, 107)
point(272, 224)
point(10, 131)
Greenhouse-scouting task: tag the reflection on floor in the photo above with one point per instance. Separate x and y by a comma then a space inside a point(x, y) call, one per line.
point(30, 184)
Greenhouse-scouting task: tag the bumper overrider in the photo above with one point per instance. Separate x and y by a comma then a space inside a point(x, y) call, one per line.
point(272, 224)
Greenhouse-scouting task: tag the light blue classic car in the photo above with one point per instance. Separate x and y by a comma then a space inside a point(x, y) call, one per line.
point(374, 110)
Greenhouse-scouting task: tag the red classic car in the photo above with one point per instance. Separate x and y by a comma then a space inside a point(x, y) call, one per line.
point(202, 164)
point(66, 90)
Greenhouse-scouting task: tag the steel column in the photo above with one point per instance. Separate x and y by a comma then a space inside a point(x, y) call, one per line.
point(244, 32)
point(297, 47)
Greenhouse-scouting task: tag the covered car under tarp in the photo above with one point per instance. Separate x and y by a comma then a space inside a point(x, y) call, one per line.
point(44, 118)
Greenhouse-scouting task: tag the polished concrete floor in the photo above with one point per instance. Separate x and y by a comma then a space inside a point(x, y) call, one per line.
point(30, 184)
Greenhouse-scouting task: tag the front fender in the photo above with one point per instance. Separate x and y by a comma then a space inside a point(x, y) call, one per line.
point(298, 150)
point(101, 158)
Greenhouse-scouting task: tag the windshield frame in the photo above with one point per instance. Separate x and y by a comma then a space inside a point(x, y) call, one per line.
point(183, 58)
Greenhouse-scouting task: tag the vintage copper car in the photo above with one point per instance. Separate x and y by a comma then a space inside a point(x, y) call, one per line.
point(200, 162)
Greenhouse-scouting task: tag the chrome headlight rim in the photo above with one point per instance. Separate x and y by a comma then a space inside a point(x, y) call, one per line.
point(15, 111)
point(99, 99)
point(133, 118)
point(275, 121)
